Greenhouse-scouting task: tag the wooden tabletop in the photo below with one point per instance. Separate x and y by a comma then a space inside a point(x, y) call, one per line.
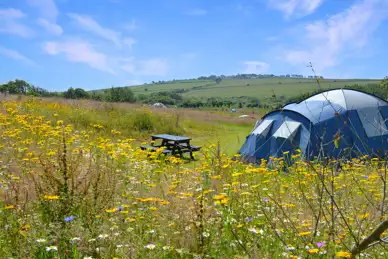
point(171, 137)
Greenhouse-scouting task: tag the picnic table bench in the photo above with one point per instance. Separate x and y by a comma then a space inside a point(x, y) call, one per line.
point(172, 145)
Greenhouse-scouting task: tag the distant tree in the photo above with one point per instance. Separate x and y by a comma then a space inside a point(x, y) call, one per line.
point(384, 83)
point(16, 86)
point(81, 94)
point(97, 96)
point(121, 94)
point(70, 93)
point(218, 80)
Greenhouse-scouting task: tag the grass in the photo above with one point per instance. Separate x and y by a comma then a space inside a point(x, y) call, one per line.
point(259, 88)
point(205, 127)
point(75, 185)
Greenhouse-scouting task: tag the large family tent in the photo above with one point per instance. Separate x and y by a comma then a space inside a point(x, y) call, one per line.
point(332, 124)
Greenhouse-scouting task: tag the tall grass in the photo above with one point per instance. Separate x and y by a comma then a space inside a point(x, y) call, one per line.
point(81, 190)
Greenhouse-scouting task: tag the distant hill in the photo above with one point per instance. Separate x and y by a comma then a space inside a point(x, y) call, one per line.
point(261, 88)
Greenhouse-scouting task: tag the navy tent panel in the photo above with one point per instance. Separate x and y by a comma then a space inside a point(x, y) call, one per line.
point(336, 123)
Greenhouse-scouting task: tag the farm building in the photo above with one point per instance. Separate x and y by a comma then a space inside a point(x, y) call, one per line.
point(333, 124)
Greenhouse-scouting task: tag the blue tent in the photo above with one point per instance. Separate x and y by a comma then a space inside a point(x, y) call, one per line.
point(333, 124)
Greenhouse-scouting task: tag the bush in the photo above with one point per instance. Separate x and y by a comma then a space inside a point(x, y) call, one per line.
point(143, 122)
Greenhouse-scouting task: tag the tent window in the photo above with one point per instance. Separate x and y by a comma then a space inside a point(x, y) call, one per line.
point(287, 130)
point(372, 121)
point(263, 128)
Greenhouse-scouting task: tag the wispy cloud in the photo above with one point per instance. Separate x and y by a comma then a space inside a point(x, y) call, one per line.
point(128, 65)
point(47, 8)
point(10, 23)
point(129, 42)
point(13, 54)
point(329, 42)
point(131, 26)
point(297, 8)
point(152, 67)
point(49, 13)
point(196, 12)
point(133, 82)
point(52, 28)
point(256, 67)
point(148, 67)
point(272, 38)
point(189, 56)
point(89, 24)
point(79, 51)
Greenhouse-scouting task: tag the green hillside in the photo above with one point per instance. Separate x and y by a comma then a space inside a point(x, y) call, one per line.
point(259, 88)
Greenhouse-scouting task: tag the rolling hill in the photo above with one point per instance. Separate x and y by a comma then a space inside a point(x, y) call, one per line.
point(259, 88)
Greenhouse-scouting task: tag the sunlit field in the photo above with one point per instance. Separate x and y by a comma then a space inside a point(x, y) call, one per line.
point(74, 184)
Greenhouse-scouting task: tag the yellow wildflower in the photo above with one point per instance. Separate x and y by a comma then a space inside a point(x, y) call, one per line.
point(51, 197)
point(343, 254)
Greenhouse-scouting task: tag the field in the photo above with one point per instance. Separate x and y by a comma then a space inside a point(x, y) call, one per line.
point(74, 184)
point(259, 88)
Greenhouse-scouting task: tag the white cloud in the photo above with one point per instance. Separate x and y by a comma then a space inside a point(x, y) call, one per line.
point(148, 67)
point(196, 12)
point(10, 23)
point(272, 38)
point(328, 43)
point(152, 67)
point(47, 8)
point(11, 13)
point(129, 42)
point(133, 82)
point(89, 24)
point(49, 13)
point(52, 28)
point(256, 67)
point(131, 26)
point(298, 8)
point(189, 56)
point(79, 51)
point(13, 54)
point(128, 65)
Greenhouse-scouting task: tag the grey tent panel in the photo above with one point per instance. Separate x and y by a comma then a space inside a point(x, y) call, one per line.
point(263, 128)
point(287, 130)
point(372, 121)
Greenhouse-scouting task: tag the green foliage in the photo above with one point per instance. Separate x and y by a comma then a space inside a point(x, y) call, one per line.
point(18, 86)
point(384, 83)
point(120, 94)
point(143, 122)
point(169, 98)
point(77, 93)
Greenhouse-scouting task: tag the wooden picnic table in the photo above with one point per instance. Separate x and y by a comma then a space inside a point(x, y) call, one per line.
point(173, 144)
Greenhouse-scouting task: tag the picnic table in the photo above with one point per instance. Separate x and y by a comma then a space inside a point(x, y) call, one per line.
point(172, 145)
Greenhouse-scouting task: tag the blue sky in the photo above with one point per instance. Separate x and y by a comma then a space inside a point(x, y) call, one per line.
point(95, 44)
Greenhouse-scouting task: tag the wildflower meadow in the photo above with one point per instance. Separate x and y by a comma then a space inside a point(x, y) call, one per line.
point(78, 190)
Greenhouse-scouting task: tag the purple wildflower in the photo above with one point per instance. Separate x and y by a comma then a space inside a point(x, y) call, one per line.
point(120, 208)
point(366, 177)
point(248, 219)
point(266, 200)
point(68, 219)
point(320, 244)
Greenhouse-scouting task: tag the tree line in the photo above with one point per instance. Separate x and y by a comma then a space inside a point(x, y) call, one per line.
point(18, 86)
point(124, 94)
